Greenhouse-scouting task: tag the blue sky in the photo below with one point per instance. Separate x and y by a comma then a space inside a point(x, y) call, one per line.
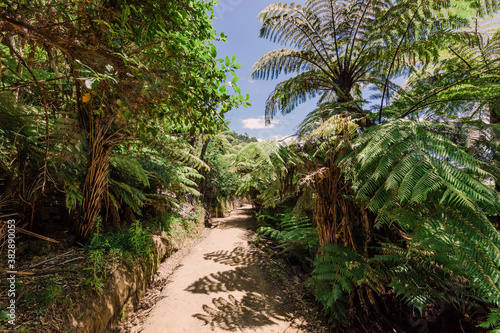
point(238, 20)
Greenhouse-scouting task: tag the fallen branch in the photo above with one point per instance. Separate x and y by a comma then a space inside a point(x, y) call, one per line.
point(29, 233)
point(61, 255)
point(40, 273)
point(70, 260)
point(55, 271)
point(60, 264)
point(9, 215)
point(17, 273)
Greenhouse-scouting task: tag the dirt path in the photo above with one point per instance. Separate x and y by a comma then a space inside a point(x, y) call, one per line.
point(220, 286)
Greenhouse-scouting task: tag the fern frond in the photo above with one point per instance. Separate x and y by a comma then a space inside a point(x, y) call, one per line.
point(295, 235)
point(131, 196)
point(128, 168)
point(411, 174)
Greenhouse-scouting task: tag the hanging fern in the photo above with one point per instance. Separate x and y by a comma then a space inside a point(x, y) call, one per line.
point(131, 196)
point(127, 167)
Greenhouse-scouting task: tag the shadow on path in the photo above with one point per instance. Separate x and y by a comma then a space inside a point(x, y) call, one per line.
point(240, 256)
point(230, 314)
point(240, 279)
point(243, 219)
point(259, 305)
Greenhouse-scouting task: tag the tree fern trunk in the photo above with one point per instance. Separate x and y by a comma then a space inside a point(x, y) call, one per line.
point(336, 216)
point(96, 179)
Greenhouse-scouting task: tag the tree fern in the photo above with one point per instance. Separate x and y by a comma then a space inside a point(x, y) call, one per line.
point(131, 196)
point(463, 80)
point(295, 235)
point(426, 183)
point(338, 47)
point(264, 164)
point(127, 167)
point(339, 272)
point(421, 181)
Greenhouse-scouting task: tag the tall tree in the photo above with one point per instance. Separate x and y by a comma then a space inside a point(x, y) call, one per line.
point(339, 47)
point(429, 237)
point(114, 66)
point(463, 86)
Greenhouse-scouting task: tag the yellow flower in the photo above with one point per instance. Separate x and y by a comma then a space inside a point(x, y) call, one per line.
point(86, 98)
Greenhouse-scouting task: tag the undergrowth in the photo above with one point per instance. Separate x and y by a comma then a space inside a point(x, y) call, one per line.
point(171, 222)
point(295, 235)
point(131, 243)
point(106, 248)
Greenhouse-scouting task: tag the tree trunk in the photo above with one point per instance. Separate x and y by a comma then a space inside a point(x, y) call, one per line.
point(336, 216)
point(203, 186)
point(96, 179)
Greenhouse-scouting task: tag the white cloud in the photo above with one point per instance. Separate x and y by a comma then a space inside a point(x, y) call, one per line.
point(258, 123)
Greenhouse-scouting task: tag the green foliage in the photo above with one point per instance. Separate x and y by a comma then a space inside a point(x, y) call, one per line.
point(412, 161)
point(139, 240)
point(337, 270)
point(132, 197)
point(105, 246)
point(73, 195)
point(493, 321)
point(4, 316)
point(338, 47)
point(98, 270)
point(129, 168)
point(296, 236)
point(192, 220)
point(241, 138)
point(221, 183)
point(135, 240)
point(429, 181)
point(49, 292)
point(268, 171)
point(123, 83)
point(157, 174)
point(463, 84)
point(418, 276)
point(228, 155)
point(165, 221)
point(421, 277)
point(413, 176)
point(17, 135)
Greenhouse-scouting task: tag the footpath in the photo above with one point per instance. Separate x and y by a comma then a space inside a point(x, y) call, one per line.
point(222, 285)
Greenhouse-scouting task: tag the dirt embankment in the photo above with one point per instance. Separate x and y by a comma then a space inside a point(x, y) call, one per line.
point(128, 286)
